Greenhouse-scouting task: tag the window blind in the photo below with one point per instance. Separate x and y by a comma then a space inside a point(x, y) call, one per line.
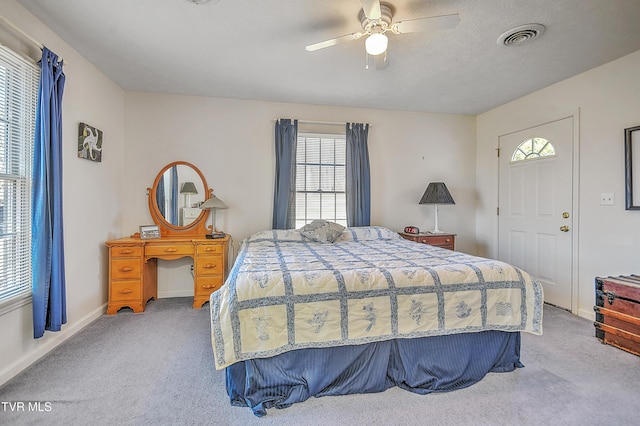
point(320, 178)
point(19, 79)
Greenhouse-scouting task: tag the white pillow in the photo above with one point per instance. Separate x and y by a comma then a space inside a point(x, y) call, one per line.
point(277, 235)
point(364, 233)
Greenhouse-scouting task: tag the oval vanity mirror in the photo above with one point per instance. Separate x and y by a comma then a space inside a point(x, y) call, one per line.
point(174, 200)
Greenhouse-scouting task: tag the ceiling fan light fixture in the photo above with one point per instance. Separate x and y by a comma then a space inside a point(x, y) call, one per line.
point(376, 44)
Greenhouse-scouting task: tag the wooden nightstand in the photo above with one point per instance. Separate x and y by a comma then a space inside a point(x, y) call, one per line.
point(446, 241)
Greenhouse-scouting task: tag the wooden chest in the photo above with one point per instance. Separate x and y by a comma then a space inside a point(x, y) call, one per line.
point(618, 312)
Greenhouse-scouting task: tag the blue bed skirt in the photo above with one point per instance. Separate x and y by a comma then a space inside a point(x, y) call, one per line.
point(422, 365)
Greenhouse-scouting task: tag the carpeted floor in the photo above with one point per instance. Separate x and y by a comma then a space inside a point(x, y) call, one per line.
point(156, 368)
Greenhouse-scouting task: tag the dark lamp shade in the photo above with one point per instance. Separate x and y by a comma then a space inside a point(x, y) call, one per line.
point(188, 188)
point(436, 193)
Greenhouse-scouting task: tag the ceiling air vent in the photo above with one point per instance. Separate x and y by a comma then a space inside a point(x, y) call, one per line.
point(520, 35)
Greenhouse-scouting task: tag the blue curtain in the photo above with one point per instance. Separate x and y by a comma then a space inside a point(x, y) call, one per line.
point(358, 180)
point(160, 198)
point(49, 299)
point(284, 211)
point(174, 196)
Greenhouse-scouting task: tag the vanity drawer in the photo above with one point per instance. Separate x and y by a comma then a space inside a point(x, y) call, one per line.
point(126, 251)
point(209, 249)
point(153, 250)
point(207, 285)
point(123, 269)
point(124, 290)
point(209, 265)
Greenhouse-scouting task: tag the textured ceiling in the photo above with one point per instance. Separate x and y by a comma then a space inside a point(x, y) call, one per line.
point(255, 49)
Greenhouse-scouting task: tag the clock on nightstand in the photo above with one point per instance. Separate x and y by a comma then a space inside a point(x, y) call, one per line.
point(446, 241)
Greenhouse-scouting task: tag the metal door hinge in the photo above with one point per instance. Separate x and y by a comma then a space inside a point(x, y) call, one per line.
point(498, 211)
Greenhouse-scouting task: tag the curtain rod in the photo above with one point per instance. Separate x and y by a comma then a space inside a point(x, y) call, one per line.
point(330, 123)
point(17, 31)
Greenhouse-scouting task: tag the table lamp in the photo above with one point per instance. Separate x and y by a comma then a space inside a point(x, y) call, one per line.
point(214, 203)
point(188, 188)
point(436, 193)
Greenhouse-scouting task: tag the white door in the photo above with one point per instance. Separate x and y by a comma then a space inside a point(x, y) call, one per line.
point(535, 221)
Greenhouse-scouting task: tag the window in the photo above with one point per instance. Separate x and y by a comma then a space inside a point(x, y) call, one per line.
point(533, 148)
point(18, 96)
point(320, 178)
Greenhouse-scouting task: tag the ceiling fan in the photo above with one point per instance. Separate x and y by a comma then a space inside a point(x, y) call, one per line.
point(376, 20)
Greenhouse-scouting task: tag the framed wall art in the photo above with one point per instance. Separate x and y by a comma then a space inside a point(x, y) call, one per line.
point(89, 143)
point(632, 167)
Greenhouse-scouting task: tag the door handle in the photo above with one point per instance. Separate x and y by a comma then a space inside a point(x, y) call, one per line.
point(565, 215)
point(564, 228)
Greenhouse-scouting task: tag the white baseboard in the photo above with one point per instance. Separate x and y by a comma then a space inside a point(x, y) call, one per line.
point(175, 293)
point(587, 314)
point(56, 339)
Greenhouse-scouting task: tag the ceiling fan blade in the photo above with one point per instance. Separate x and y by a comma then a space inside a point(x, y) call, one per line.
point(333, 41)
point(432, 23)
point(371, 9)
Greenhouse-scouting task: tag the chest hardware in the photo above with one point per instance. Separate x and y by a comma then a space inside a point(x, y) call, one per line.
point(609, 295)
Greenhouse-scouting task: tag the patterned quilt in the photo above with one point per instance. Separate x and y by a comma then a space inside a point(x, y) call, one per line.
point(286, 292)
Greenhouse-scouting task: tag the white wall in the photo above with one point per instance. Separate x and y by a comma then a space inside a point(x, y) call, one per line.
point(608, 100)
point(231, 142)
point(92, 200)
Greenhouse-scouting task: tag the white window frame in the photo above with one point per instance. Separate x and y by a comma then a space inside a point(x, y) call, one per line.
point(19, 80)
point(534, 154)
point(303, 218)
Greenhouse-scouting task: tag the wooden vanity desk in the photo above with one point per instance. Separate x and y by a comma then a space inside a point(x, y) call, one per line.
point(133, 265)
point(133, 268)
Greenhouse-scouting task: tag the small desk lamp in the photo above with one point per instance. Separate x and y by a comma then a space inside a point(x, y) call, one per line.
point(188, 188)
point(436, 193)
point(214, 203)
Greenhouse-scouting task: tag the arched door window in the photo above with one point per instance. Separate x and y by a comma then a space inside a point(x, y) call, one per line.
point(533, 148)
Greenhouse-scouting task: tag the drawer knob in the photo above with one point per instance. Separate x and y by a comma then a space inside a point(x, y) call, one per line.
point(209, 249)
point(126, 269)
point(209, 265)
point(448, 240)
point(126, 251)
point(208, 286)
point(126, 291)
point(171, 250)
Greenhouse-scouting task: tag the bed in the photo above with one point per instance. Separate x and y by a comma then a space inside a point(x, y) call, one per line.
point(363, 312)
